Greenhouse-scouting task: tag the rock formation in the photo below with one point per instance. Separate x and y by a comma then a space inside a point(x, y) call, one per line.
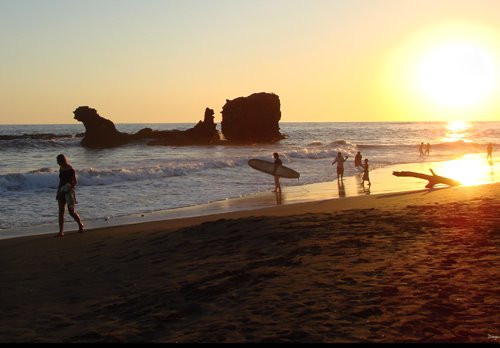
point(245, 120)
point(204, 133)
point(252, 119)
point(101, 132)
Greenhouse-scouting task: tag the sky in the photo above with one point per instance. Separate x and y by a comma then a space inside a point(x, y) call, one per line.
point(165, 61)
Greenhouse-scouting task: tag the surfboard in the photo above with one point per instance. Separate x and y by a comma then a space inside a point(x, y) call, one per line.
point(268, 166)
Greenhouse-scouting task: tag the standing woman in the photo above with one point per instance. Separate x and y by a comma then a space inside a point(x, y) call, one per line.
point(66, 193)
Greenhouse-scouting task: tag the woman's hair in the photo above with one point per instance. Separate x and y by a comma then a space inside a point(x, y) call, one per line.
point(62, 159)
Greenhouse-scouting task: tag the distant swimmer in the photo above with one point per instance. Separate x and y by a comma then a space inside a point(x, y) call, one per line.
point(340, 165)
point(277, 163)
point(489, 150)
point(357, 160)
point(66, 193)
point(427, 149)
point(366, 175)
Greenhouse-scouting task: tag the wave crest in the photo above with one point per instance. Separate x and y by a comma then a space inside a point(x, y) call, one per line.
point(48, 178)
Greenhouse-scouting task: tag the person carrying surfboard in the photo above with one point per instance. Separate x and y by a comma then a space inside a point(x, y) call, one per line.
point(340, 165)
point(277, 163)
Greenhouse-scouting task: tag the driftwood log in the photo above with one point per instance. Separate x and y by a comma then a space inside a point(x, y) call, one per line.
point(433, 179)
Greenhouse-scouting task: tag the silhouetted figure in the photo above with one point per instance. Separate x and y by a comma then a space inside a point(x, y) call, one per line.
point(66, 193)
point(366, 175)
point(421, 149)
point(427, 149)
point(277, 163)
point(489, 150)
point(357, 159)
point(340, 165)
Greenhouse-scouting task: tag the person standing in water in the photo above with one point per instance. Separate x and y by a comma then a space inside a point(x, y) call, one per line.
point(421, 149)
point(340, 165)
point(489, 151)
point(428, 149)
point(357, 160)
point(277, 163)
point(66, 193)
point(366, 175)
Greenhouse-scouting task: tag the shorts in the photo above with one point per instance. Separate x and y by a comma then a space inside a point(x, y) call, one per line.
point(68, 198)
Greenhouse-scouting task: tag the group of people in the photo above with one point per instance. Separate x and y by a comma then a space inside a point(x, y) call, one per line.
point(424, 150)
point(340, 159)
point(67, 180)
point(66, 195)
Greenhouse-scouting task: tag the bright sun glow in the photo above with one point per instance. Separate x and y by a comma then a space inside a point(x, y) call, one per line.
point(457, 74)
point(470, 170)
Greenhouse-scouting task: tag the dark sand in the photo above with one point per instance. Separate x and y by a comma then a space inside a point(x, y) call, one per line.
point(406, 267)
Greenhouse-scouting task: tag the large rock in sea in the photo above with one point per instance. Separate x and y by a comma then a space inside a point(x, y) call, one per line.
point(252, 119)
point(101, 132)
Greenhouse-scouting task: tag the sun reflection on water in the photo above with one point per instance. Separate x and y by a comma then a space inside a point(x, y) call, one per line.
point(457, 130)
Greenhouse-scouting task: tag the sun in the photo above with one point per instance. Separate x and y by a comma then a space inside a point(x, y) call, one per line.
point(457, 74)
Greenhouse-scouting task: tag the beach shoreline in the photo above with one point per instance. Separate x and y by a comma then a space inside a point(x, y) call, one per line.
point(383, 183)
point(399, 267)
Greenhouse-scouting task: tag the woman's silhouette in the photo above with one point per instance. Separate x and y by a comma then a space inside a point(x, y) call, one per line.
point(66, 193)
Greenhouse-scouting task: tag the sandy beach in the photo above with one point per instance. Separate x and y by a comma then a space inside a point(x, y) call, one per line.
point(403, 267)
point(229, 172)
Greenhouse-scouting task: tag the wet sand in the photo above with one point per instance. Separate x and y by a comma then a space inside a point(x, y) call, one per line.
point(400, 267)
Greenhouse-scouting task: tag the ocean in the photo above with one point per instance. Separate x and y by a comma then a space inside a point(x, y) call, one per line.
point(139, 179)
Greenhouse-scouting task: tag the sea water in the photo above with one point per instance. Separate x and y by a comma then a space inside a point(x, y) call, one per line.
point(138, 179)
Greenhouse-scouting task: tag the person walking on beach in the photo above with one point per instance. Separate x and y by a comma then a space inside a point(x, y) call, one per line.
point(340, 165)
point(489, 150)
point(277, 163)
point(66, 193)
point(357, 160)
point(366, 176)
point(428, 149)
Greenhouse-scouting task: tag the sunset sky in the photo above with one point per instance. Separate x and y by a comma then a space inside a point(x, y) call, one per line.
point(138, 61)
